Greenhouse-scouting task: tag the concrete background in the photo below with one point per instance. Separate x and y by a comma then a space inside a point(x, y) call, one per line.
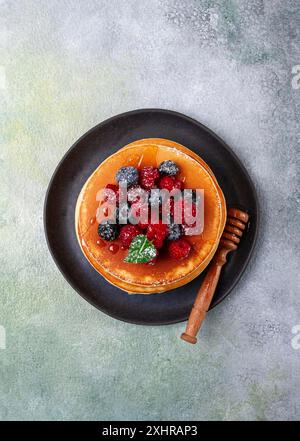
point(65, 66)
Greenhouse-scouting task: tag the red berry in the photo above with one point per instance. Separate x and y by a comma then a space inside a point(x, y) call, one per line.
point(127, 233)
point(179, 249)
point(148, 177)
point(157, 233)
point(169, 183)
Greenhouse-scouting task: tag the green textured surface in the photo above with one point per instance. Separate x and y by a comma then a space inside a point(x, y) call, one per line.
point(67, 65)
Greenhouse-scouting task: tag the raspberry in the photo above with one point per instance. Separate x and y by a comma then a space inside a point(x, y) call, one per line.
point(127, 233)
point(130, 175)
point(157, 233)
point(179, 249)
point(108, 231)
point(169, 168)
point(169, 183)
point(148, 177)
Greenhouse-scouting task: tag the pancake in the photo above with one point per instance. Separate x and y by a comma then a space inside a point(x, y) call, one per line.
point(166, 274)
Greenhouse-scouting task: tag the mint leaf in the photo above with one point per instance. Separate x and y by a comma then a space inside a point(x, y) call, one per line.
point(141, 250)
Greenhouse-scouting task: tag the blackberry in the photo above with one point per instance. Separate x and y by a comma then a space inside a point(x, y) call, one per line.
point(130, 175)
point(175, 231)
point(108, 231)
point(169, 168)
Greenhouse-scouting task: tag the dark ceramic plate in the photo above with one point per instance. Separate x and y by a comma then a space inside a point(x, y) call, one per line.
point(85, 156)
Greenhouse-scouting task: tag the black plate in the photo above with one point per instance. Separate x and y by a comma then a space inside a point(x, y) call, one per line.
point(85, 156)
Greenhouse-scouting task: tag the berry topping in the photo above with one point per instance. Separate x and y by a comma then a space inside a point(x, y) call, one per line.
point(148, 177)
point(127, 233)
point(130, 175)
point(157, 233)
point(169, 168)
point(135, 225)
point(108, 231)
point(169, 183)
point(175, 231)
point(179, 249)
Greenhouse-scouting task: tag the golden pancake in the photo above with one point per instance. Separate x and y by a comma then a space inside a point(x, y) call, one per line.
point(166, 274)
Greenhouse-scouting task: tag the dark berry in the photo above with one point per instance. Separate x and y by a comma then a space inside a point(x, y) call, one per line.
point(157, 233)
point(179, 249)
point(169, 168)
point(130, 175)
point(169, 183)
point(175, 231)
point(148, 177)
point(108, 231)
point(127, 233)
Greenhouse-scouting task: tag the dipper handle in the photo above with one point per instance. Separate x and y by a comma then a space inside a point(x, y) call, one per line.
point(202, 302)
point(234, 228)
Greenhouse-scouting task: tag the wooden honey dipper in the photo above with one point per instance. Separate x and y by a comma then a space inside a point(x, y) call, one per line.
point(234, 228)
